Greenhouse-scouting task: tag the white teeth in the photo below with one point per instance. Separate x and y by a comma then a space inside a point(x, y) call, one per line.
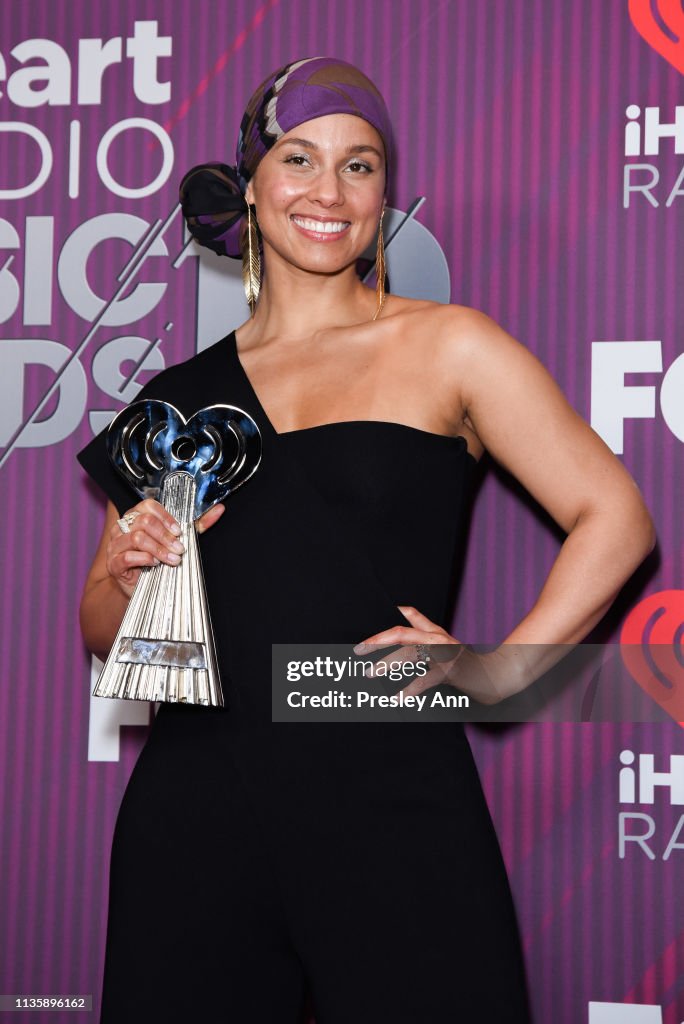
point(328, 227)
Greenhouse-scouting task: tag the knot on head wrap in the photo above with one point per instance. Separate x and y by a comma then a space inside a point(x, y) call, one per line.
point(212, 195)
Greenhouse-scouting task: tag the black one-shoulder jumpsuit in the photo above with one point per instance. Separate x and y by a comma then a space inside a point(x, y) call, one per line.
point(260, 869)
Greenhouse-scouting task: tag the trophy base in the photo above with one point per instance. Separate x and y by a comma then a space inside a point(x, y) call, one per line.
point(154, 670)
point(176, 692)
point(155, 699)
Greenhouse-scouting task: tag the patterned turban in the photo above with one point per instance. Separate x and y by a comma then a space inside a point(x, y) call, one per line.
point(212, 195)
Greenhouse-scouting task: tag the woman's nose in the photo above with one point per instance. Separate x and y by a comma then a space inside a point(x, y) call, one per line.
point(327, 188)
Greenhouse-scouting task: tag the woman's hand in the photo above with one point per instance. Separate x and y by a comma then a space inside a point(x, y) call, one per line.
point(480, 676)
point(153, 537)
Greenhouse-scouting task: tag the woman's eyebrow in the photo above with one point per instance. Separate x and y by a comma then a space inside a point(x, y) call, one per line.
point(363, 148)
point(296, 142)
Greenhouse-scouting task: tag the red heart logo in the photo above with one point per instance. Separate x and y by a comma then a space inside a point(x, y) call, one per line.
point(651, 648)
point(671, 17)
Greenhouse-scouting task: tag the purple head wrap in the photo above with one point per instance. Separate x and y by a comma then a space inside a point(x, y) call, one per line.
point(212, 195)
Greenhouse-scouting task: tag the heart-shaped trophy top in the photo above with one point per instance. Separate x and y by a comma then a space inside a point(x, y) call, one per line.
point(219, 446)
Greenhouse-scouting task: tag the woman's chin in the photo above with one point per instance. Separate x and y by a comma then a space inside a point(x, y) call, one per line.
point(327, 263)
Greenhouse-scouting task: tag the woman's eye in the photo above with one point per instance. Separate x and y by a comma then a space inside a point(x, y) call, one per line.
point(297, 159)
point(360, 165)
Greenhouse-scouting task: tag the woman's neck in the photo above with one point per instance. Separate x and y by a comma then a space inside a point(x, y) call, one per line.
point(294, 304)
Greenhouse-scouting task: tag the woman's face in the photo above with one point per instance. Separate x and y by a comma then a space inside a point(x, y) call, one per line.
point(319, 192)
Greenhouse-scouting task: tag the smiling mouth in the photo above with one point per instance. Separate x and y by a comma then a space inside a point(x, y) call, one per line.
point(321, 227)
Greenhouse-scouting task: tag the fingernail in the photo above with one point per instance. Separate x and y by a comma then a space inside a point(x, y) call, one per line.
point(177, 546)
point(360, 648)
point(175, 528)
point(174, 559)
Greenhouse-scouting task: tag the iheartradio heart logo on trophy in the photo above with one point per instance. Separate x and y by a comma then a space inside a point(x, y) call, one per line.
point(164, 649)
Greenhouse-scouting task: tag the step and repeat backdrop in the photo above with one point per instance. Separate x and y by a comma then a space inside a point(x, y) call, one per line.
point(540, 178)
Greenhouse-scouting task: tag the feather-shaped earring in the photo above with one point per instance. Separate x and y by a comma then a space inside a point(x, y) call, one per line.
point(251, 260)
point(380, 270)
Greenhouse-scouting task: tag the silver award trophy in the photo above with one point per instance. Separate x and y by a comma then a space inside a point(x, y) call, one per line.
point(164, 649)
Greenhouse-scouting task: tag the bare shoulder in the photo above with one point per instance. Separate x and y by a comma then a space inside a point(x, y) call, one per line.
point(450, 331)
point(442, 350)
point(490, 369)
point(513, 408)
point(466, 339)
point(464, 348)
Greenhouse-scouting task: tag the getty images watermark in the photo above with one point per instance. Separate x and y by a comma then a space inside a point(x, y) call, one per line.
point(450, 682)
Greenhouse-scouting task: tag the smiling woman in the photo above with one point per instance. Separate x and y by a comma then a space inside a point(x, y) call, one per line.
point(319, 189)
point(320, 857)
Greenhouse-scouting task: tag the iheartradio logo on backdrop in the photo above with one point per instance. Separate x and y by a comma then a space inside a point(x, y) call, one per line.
point(652, 648)
point(661, 24)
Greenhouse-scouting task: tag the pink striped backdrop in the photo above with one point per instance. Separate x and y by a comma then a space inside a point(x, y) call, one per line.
point(510, 120)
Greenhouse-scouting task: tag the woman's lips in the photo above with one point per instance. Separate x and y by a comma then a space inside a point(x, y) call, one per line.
point(321, 230)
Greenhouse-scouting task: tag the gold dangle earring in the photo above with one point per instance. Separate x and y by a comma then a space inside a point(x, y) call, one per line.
point(380, 270)
point(251, 260)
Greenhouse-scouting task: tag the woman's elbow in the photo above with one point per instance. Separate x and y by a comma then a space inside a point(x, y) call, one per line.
point(640, 532)
point(89, 640)
point(88, 620)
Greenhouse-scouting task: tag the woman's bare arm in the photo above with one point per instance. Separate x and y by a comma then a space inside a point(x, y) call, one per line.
point(103, 603)
point(520, 416)
point(525, 422)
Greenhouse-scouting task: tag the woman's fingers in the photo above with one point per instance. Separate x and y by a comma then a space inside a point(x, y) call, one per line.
point(420, 628)
point(407, 652)
point(440, 652)
point(150, 507)
point(417, 618)
point(433, 662)
point(153, 537)
point(427, 672)
point(385, 638)
point(210, 517)
point(477, 676)
point(148, 533)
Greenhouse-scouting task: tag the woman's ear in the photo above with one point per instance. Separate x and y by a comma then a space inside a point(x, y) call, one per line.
point(249, 193)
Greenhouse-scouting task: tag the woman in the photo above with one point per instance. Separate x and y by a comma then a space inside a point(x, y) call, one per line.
point(254, 861)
